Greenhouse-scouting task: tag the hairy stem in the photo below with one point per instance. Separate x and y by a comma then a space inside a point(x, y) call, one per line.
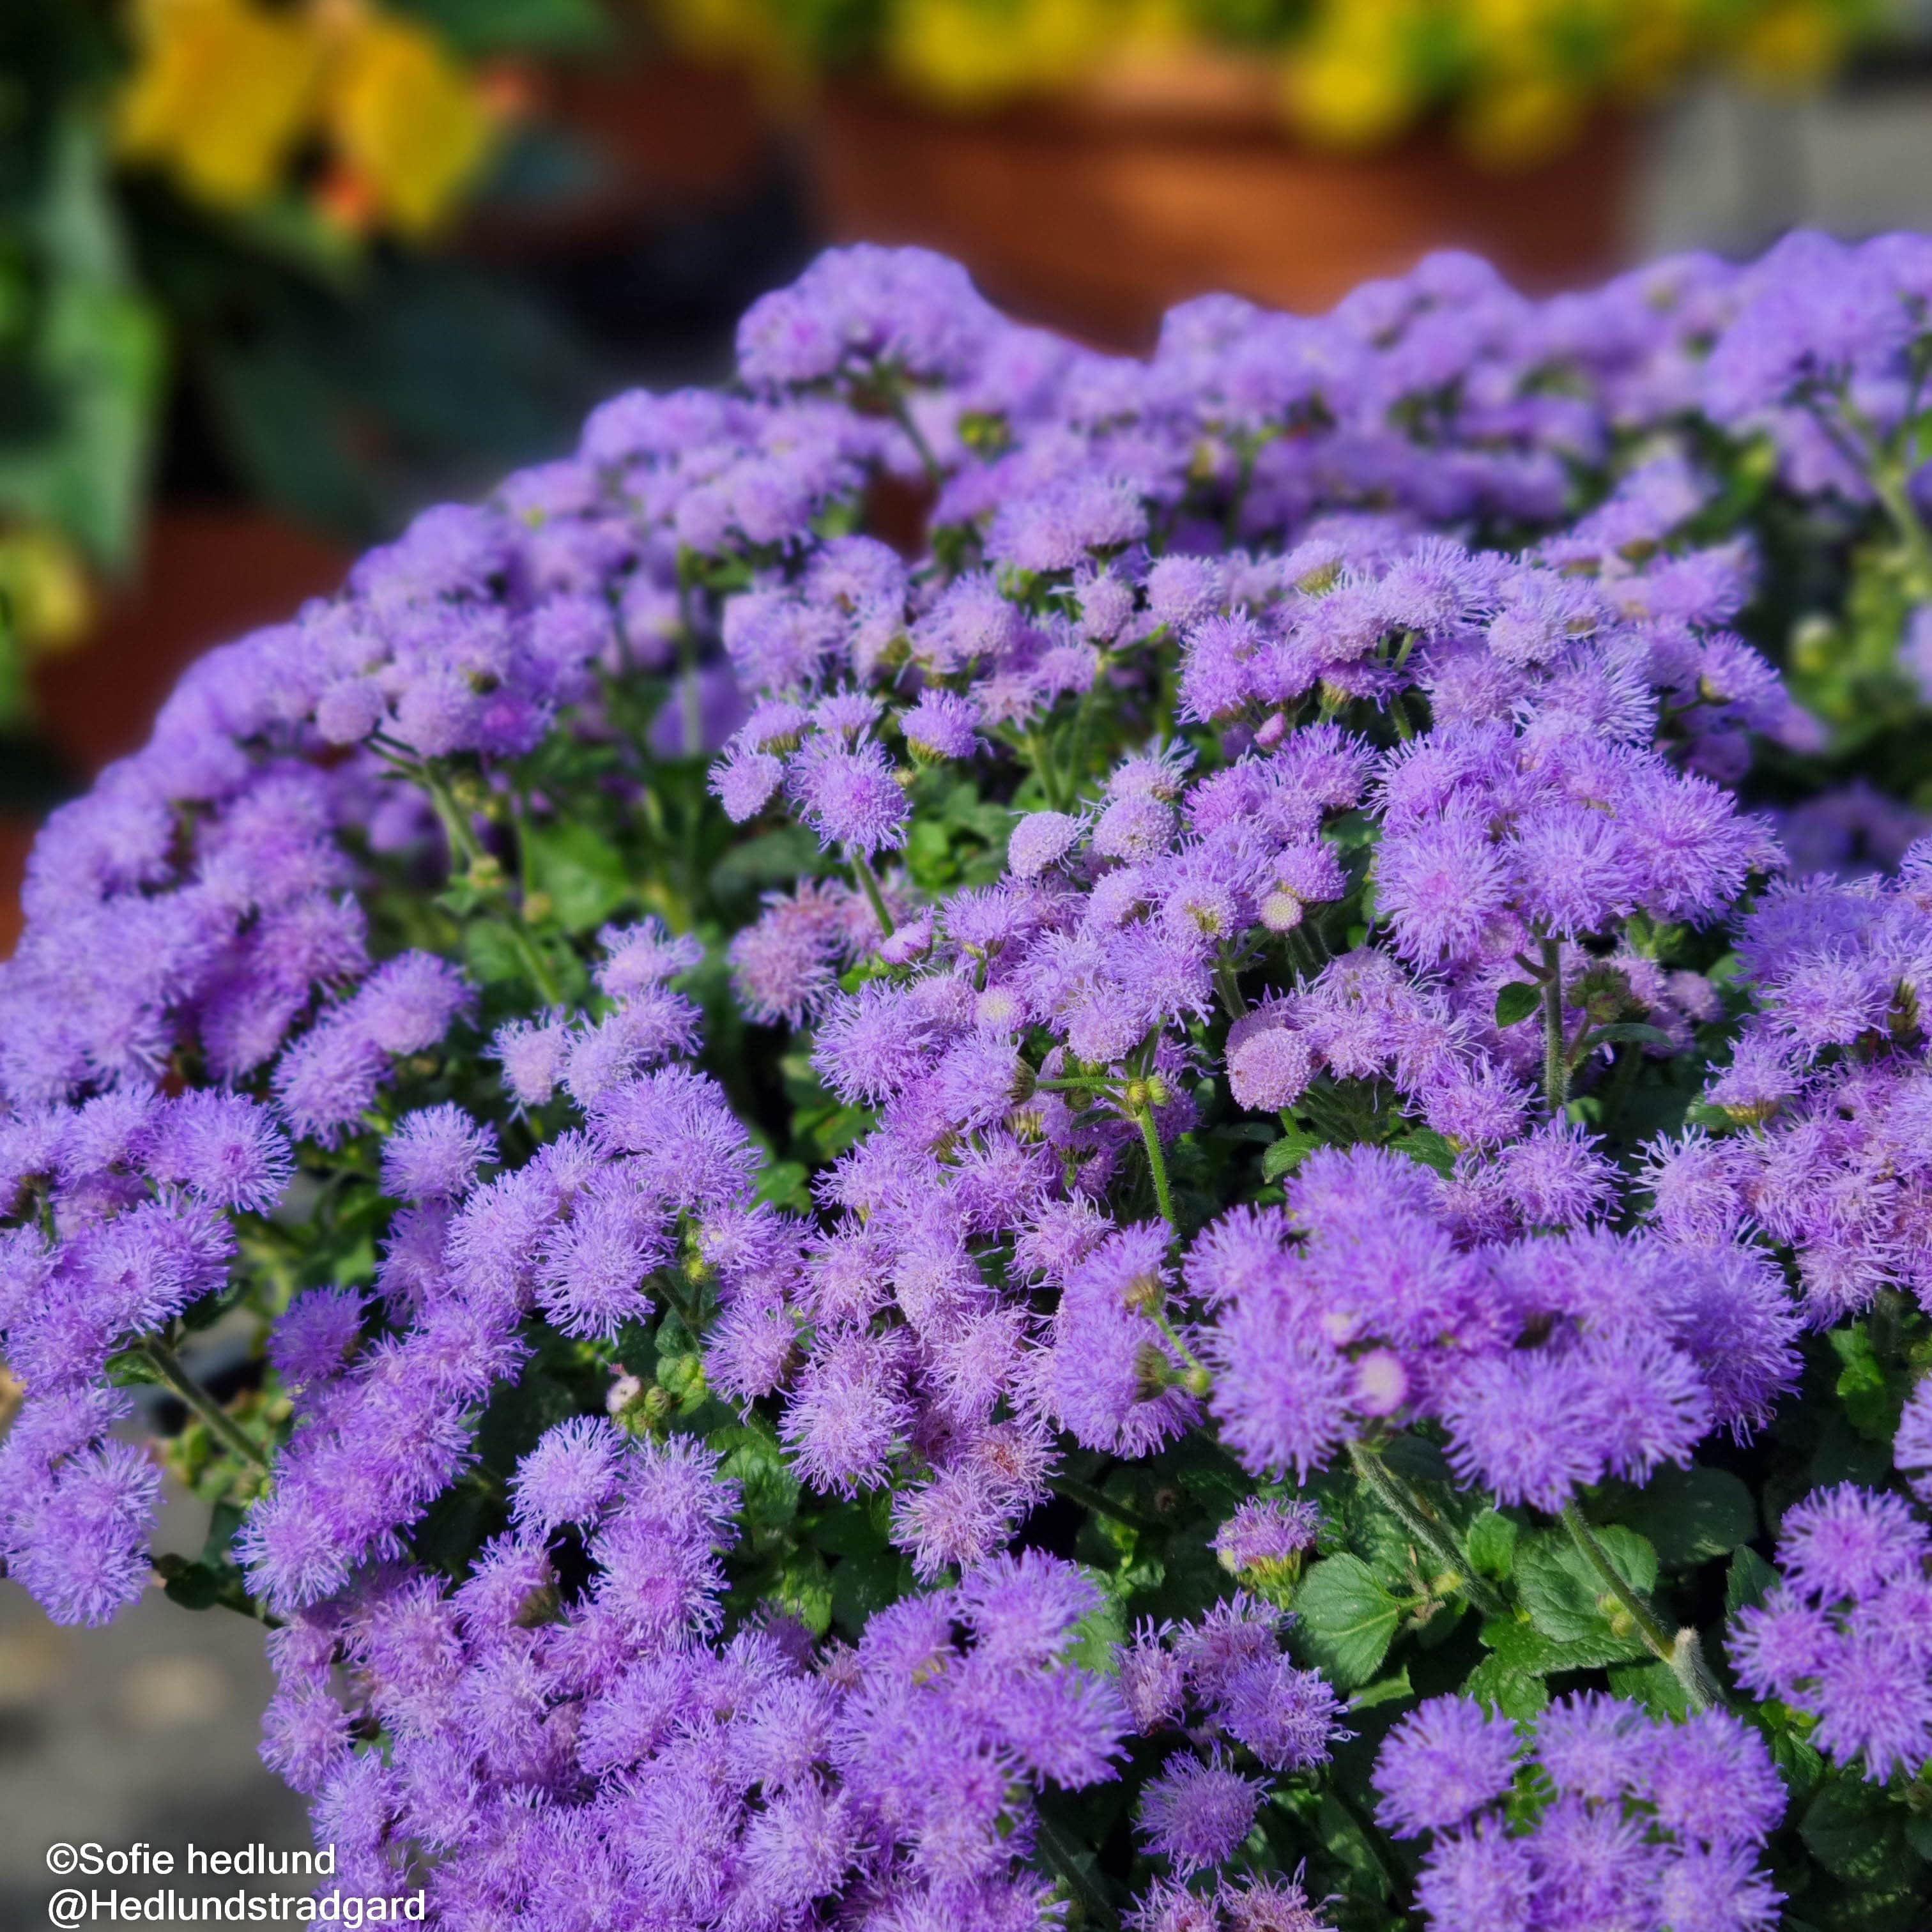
point(1228, 984)
point(935, 470)
point(1680, 1652)
point(1433, 1536)
point(1163, 1193)
point(221, 1425)
point(868, 883)
point(1555, 1055)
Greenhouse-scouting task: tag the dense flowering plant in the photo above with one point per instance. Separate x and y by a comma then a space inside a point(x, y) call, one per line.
point(1517, 83)
point(1199, 1199)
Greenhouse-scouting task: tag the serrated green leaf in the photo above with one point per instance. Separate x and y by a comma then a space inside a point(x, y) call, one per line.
point(754, 1459)
point(1417, 1459)
point(1517, 1001)
point(1689, 1515)
point(1566, 1598)
point(861, 1584)
point(1384, 1690)
point(782, 1183)
point(1346, 1619)
point(1491, 1543)
point(584, 876)
point(1654, 1685)
point(1871, 1403)
point(803, 1589)
point(1748, 1581)
point(1516, 1693)
point(1635, 1031)
point(1521, 1647)
point(1288, 1154)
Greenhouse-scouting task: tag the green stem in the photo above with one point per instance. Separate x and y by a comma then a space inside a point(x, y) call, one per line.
point(221, 1425)
point(935, 470)
point(1680, 1652)
point(868, 884)
point(1041, 755)
point(455, 825)
point(1088, 1497)
point(693, 718)
point(1228, 984)
point(1555, 1056)
point(1163, 1194)
point(1369, 1467)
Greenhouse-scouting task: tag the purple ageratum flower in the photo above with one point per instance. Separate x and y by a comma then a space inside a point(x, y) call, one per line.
point(850, 797)
point(1039, 840)
point(1912, 1446)
point(313, 1340)
point(1443, 1762)
point(1195, 1814)
point(76, 1542)
point(942, 725)
point(569, 1477)
point(1266, 1535)
point(223, 1146)
point(433, 1153)
point(1846, 1637)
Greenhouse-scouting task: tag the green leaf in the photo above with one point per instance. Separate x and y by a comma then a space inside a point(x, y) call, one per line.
point(754, 1461)
point(1491, 1543)
point(1517, 1001)
point(1288, 1154)
point(771, 858)
point(1653, 1684)
point(1384, 1690)
point(1346, 1619)
point(1516, 1693)
point(491, 954)
point(1522, 1647)
point(1630, 1029)
point(582, 873)
point(1856, 1833)
point(1871, 1404)
point(1425, 1146)
point(1417, 1459)
point(861, 1584)
point(782, 1183)
point(1566, 1598)
point(1690, 1515)
point(803, 1589)
point(1748, 1581)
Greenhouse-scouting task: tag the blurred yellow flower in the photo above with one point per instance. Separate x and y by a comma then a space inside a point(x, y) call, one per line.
point(1792, 42)
point(407, 119)
point(1511, 120)
point(968, 52)
point(44, 599)
point(222, 94)
point(1354, 85)
point(225, 93)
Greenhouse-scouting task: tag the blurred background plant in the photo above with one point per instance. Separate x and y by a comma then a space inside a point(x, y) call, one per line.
point(274, 254)
point(1518, 79)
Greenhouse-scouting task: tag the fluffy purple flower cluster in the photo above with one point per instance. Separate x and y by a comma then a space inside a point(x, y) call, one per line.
point(1826, 1088)
point(1552, 1360)
point(610, 1759)
point(1846, 1635)
point(1327, 732)
point(1634, 1822)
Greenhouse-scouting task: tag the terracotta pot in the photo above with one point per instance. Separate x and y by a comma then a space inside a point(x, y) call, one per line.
point(1096, 211)
point(666, 136)
point(209, 574)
